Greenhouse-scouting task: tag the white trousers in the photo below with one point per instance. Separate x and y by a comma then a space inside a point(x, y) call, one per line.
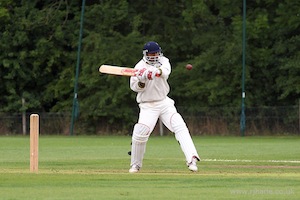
point(149, 114)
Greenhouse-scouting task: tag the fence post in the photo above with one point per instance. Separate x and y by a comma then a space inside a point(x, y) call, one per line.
point(161, 128)
point(23, 117)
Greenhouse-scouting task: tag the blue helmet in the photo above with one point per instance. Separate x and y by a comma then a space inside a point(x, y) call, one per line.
point(154, 49)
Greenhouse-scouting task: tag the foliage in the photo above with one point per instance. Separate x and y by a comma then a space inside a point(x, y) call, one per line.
point(39, 41)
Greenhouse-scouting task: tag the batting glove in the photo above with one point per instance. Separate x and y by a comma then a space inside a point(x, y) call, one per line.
point(140, 74)
point(153, 72)
point(150, 73)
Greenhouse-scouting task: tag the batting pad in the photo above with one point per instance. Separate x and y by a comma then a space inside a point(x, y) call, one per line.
point(137, 153)
point(187, 146)
point(140, 137)
point(183, 136)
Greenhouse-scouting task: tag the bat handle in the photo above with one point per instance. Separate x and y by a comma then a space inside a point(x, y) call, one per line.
point(157, 74)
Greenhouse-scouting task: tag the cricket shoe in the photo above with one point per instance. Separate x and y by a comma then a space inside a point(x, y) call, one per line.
point(134, 169)
point(193, 165)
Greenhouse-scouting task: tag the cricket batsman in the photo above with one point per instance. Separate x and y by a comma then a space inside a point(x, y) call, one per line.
point(152, 88)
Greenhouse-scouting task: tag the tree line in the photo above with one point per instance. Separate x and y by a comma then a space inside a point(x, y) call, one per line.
point(39, 41)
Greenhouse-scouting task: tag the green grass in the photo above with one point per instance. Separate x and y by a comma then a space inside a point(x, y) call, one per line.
point(97, 168)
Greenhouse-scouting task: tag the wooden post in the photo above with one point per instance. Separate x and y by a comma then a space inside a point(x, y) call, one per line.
point(34, 143)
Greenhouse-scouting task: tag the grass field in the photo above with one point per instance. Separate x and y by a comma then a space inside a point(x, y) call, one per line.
point(94, 167)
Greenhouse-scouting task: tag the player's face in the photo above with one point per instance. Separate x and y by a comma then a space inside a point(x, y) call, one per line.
point(153, 57)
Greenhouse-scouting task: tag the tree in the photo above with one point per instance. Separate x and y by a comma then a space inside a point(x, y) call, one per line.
point(39, 41)
point(216, 56)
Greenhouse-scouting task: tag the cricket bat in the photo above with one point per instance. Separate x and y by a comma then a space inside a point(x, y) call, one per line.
point(116, 70)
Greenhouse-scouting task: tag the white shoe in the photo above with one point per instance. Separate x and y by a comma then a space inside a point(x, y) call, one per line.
point(134, 169)
point(193, 165)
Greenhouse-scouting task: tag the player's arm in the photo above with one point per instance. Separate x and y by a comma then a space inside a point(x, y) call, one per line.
point(137, 82)
point(164, 68)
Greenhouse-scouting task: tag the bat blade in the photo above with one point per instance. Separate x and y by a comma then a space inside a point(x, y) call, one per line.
point(116, 70)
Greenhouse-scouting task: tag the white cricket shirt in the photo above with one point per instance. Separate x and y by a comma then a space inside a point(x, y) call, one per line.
point(156, 89)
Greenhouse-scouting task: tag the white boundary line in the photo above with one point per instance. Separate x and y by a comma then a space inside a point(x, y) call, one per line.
point(249, 161)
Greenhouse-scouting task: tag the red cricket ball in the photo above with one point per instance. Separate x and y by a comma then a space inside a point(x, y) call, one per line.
point(189, 66)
